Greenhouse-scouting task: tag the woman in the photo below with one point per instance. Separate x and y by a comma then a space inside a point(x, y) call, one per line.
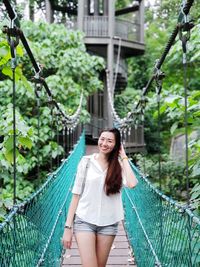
point(96, 206)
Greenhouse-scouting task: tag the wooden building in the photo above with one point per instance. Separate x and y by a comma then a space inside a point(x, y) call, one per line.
point(107, 32)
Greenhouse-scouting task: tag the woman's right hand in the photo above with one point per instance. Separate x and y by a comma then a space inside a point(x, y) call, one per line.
point(67, 238)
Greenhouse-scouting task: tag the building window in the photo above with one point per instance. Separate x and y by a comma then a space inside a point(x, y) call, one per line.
point(91, 7)
point(101, 7)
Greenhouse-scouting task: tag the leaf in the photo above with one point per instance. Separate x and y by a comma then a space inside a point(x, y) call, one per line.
point(7, 71)
point(26, 84)
point(5, 59)
point(9, 155)
point(3, 51)
point(8, 144)
point(25, 141)
point(21, 159)
point(196, 188)
point(19, 51)
point(173, 127)
point(196, 171)
point(195, 195)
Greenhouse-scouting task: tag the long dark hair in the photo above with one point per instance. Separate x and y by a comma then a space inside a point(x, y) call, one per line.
point(113, 181)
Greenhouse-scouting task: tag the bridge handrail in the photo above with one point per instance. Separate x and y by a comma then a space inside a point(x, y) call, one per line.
point(183, 207)
point(161, 231)
point(32, 230)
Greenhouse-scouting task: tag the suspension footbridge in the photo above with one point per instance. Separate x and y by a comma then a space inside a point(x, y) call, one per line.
point(157, 230)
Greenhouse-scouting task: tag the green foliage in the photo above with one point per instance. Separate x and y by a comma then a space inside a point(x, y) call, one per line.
point(172, 178)
point(119, 4)
point(158, 31)
point(126, 99)
point(195, 198)
point(68, 70)
point(23, 189)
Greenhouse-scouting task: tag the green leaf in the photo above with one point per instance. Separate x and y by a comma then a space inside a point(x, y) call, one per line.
point(9, 143)
point(173, 128)
point(3, 51)
point(27, 84)
point(195, 195)
point(19, 51)
point(25, 141)
point(9, 155)
point(7, 71)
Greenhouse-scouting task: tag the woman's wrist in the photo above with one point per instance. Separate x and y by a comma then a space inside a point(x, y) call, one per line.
point(68, 227)
point(124, 157)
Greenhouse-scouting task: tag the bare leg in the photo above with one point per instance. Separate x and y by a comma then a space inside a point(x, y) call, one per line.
point(87, 247)
point(104, 243)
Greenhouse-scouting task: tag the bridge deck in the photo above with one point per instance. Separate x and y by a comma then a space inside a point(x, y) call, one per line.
point(120, 255)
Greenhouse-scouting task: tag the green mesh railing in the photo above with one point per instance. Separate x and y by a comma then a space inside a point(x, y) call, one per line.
point(160, 231)
point(31, 234)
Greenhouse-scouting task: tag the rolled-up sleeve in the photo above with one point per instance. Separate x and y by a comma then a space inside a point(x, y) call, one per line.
point(77, 188)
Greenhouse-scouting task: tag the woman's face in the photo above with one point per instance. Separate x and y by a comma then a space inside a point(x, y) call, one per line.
point(106, 142)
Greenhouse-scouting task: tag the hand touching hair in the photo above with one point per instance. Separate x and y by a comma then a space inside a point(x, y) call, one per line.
point(113, 181)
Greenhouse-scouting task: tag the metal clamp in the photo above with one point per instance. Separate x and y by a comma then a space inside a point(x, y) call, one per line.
point(159, 76)
point(185, 25)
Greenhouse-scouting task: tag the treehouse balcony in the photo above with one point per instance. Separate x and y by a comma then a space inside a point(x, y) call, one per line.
point(114, 35)
point(126, 33)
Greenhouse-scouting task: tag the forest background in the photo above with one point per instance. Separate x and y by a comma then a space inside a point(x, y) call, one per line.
point(65, 61)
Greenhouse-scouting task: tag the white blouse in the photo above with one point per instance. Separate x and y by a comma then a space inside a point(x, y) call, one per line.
point(94, 205)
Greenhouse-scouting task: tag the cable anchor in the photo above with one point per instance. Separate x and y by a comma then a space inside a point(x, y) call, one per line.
point(185, 25)
point(158, 76)
point(13, 43)
point(37, 73)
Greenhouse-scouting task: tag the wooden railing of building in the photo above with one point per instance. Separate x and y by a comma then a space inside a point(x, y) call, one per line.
point(97, 26)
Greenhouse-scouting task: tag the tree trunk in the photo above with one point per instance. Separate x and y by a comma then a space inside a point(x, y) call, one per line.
point(31, 10)
point(49, 12)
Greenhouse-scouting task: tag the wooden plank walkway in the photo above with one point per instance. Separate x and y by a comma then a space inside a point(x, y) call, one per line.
point(120, 255)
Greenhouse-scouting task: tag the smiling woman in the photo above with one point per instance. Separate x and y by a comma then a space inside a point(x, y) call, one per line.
point(96, 207)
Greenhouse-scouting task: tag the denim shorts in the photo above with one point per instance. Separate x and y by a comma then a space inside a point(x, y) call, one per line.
point(82, 226)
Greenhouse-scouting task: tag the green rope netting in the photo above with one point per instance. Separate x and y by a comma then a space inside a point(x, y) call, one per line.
point(31, 234)
point(160, 231)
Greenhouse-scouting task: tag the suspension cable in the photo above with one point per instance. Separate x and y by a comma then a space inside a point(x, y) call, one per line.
point(57, 137)
point(37, 93)
point(121, 122)
point(159, 75)
point(13, 66)
point(64, 138)
point(71, 119)
point(185, 26)
point(13, 42)
point(117, 63)
point(52, 131)
point(184, 9)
